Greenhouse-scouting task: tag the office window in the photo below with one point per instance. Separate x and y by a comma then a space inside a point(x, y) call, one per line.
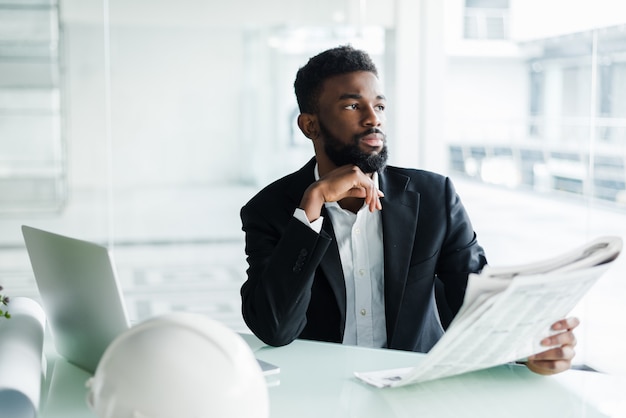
point(536, 79)
point(486, 19)
point(611, 104)
point(146, 128)
point(555, 103)
point(32, 160)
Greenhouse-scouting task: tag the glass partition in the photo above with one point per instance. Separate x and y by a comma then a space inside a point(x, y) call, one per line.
point(32, 153)
point(145, 127)
point(537, 148)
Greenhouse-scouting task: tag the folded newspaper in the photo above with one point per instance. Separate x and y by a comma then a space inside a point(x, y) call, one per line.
point(506, 312)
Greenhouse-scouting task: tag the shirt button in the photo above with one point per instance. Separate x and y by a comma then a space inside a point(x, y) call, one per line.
point(361, 272)
point(363, 312)
point(357, 231)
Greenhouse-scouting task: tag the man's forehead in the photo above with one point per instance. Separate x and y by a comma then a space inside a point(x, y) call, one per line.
point(351, 85)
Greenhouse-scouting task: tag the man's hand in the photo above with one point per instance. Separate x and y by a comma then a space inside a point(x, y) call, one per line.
point(343, 182)
point(559, 358)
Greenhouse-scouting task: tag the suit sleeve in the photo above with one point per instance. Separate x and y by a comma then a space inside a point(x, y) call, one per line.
point(460, 253)
point(282, 255)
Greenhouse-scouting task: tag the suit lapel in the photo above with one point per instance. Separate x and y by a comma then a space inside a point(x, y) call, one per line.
point(331, 265)
point(399, 218)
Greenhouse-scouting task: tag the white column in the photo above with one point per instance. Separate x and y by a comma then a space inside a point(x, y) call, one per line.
point(418, 94)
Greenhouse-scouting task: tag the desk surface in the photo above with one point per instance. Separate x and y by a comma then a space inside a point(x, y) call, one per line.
point(316, 380)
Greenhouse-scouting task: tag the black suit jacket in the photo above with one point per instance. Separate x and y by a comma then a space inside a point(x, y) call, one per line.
point(295, 286)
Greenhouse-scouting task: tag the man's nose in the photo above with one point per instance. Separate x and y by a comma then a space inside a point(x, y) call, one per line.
point(372, 117)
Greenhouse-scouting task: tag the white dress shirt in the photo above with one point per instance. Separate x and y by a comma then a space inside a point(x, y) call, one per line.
point(360, 241)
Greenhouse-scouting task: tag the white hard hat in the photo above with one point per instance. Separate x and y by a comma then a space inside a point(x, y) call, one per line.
point(180, 365)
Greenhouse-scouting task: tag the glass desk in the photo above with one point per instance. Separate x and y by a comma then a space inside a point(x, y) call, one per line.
point(316, 380)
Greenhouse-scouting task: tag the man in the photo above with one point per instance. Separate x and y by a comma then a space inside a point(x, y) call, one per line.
point(348, 249)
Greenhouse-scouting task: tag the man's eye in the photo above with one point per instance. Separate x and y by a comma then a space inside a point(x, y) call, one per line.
point(352, 106)
point(380, 107)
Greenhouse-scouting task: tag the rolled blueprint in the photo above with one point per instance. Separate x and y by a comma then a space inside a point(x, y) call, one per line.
point(21, 363)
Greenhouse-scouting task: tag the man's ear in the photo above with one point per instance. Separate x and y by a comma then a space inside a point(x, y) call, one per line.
point(307, 122)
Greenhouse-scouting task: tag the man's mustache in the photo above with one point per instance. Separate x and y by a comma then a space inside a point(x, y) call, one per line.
point(370, 132)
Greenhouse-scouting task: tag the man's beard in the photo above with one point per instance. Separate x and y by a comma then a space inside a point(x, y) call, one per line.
point(342, 154)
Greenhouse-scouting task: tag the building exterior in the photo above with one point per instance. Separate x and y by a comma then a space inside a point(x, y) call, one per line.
point(544, 114)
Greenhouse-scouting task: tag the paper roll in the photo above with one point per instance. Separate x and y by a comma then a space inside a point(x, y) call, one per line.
point(21, 364)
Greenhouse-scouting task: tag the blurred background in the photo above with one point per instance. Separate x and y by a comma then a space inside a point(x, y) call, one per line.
point(146, 125)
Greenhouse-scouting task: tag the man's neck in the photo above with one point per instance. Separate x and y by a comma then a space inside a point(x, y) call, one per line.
point(353, 204)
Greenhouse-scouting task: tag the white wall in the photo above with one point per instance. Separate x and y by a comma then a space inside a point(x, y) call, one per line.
point(486, 99)
point(536, 19)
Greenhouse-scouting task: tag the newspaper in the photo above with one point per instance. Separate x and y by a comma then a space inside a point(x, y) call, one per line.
point(506, 312)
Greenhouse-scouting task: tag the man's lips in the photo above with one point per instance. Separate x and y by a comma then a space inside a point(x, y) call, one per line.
point(373, 140)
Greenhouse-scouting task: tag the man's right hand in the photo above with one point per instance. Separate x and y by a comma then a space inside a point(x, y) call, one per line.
point(347, 181)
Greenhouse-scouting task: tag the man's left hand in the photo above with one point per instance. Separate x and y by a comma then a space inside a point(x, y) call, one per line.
point(559, 358)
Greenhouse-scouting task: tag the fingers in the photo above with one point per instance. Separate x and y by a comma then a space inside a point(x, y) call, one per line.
point(559, 357)
point(563, 338)
point(350, 181)
point(372, 199)
point(566, 324)
point(343, 182)
point(552, 361)
point(565, 352)
point(371, 195)
point(549, 367)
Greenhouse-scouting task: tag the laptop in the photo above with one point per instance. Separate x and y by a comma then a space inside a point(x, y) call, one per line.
point(81, 296)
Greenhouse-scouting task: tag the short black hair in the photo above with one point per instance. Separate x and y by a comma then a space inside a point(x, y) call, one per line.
point(335, 61)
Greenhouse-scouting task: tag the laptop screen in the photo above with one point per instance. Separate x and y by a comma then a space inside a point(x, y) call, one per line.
point(79, 292)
